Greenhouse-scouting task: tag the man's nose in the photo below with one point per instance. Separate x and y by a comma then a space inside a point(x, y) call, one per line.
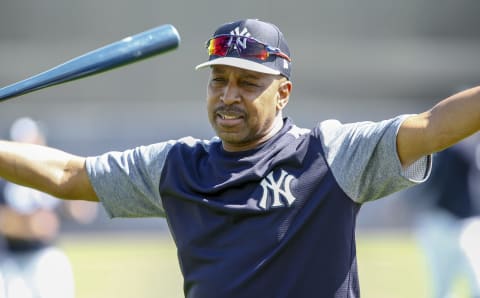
point(230, 94)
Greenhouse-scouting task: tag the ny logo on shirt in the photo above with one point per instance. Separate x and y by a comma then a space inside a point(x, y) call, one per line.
point(276, 192)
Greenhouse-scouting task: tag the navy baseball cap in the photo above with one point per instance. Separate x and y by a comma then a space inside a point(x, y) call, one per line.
point(250, 44)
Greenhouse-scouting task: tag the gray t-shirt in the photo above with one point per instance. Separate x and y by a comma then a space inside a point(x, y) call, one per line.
point(274, 221)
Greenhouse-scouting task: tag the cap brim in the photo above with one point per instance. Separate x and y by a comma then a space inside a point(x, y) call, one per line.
point(240, 63)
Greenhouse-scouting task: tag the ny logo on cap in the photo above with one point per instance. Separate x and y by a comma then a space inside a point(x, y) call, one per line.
point(240, 42)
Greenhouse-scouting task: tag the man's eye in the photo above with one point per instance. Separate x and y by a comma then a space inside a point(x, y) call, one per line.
point(250, 84)
point(217, 80)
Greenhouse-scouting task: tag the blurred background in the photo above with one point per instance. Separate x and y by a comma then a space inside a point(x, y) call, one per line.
point(352, 60)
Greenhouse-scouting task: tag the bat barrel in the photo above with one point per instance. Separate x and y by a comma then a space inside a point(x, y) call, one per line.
point(128, 50)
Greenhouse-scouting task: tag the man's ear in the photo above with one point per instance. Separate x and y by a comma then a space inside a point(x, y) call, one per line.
point(283, 94)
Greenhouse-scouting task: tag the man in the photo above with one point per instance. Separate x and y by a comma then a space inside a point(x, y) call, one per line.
point(265, 209)
point(30, 263)
point(446, 207)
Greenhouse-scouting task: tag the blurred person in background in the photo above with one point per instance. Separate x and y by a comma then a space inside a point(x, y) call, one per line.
point(30, 265)
point(448, 220)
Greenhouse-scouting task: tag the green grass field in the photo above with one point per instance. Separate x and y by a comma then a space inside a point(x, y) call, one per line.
point(390, 266)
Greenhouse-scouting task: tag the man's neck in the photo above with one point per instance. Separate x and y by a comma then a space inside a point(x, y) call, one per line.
point(277, 126)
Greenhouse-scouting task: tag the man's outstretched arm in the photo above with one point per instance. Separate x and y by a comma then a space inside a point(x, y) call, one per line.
point(49, 170)
point(447, 123)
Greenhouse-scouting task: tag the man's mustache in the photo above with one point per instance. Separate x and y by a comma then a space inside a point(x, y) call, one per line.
point(232, 110)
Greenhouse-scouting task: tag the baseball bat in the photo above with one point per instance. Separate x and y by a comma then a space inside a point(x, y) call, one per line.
point(128, 50)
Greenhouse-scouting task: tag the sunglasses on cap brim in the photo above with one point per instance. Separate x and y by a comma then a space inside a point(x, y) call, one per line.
point(247, 47)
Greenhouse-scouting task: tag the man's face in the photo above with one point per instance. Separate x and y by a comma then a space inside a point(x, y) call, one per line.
point(242, 105)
